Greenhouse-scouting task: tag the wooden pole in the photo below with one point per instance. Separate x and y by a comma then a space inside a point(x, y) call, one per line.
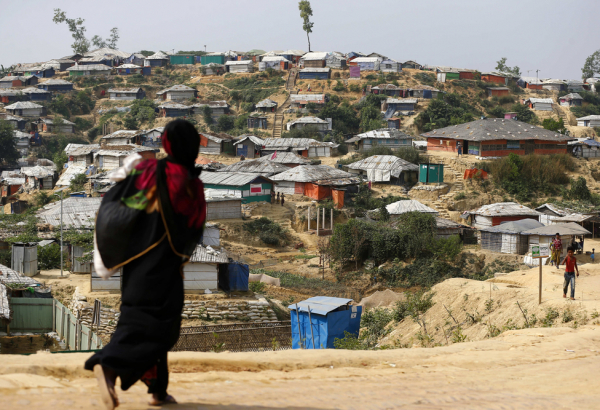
point(317, 221)
point(298, 320)
point(540, 298)
point(332, 220)
point(323, 218)
point(309, 218)
point(312, 336)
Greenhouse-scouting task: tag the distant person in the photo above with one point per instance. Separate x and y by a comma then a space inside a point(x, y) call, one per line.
point(593, 256)
point(459, 148)
point(282, 199)
point(556, 246)
point(277, 200)
point(581, 239)
point(272, 197)
point(570, 268)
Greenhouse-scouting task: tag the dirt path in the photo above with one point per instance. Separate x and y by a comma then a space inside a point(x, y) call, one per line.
point(524, 369)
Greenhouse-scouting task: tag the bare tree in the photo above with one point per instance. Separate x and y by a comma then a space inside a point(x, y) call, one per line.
point(81, 44)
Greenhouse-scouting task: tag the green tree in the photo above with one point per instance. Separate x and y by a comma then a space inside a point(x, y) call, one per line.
point(78, 182)
point(580, 190)
point(502, 67)
point(591, 65)
point(80, 44)
point(226, 122)
point(556, 126)
point(8, 144)
point(306, 13)
point(524, 113)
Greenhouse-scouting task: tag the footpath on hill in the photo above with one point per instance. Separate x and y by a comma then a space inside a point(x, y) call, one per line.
point(546, 368)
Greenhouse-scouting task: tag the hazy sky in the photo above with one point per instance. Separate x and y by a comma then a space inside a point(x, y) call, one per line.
point(554, 36)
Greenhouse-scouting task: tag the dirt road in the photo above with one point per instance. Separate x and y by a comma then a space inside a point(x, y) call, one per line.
point(550, 368)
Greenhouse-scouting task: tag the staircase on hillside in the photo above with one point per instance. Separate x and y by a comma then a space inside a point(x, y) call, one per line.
point(563, 115)
point(290, 86)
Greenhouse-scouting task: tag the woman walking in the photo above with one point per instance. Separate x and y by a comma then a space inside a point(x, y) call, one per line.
point(556, 246)
point(148, 224)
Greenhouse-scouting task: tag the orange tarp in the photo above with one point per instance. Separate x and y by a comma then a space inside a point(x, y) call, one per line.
point(299, 188)
point(317, 192)
point(338, 198)
point(475, 173)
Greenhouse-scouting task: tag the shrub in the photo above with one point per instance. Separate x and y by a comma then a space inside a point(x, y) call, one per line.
point(49, 257)
point(339, 86)
point(78, 182)
point(459, 196)
point(225, 123)
point(355, 88)
point(82, 124)
point(268, 231)
point(257, 287)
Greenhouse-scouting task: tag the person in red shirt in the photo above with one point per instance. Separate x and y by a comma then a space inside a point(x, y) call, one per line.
point(570, 268)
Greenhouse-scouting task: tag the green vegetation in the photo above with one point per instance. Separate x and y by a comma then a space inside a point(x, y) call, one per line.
point(502, 67)
point(8, 144)
point(556, 126)
point(268, 231)
point(591, 108)
point(49, 257)
point(370, 112)
point(305, 284)
point(527, 175)
point(79, 103)
point(364, 200)
point(77, 183)
point(453, 109)
point(591, 65)
point(257, 287)
point(306, 13)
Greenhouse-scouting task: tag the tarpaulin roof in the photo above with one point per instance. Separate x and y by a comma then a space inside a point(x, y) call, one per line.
point(320, 305)
point(505, 209)
point(408, 205)
point(570, 228)
point(514, 227)
point(230, 178)
point(261, 165)
point(206, 254)
point(384, 162)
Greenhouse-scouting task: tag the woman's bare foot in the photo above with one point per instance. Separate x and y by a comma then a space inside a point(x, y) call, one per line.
point(106, 383)
point(154, 401)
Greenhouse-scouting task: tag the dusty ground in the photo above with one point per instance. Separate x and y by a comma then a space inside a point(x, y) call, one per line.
point(524, 369)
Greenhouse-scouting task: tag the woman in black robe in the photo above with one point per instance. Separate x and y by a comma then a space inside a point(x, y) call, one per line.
point(149, 225)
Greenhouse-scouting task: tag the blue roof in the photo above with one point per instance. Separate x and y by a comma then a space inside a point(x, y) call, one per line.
point(320, 305)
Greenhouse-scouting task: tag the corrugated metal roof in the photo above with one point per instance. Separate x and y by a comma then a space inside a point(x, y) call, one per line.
point(219, 195)
point(206, 254)
point(55, 82)
point(315, 70)
point(37, 171)
point(266, 103)
point(310, 173)
point(241, 62)
point(129, 66)
point(531, 80)
point(307, 98)
point(540, 100)
point(282, 143)
point(124, 90)
point(409, 205)
point(255, 140)
point(51, 121)
point(211, 104)
point(496, 129)
point(382, 133)
point(570, 228)
point(261, 165)
point(90, 67)
point(589, 117)
point(122, 150)
point(401, 101)
point(218, 138)
point(367, 60)
point(174, 106)
point(33, 90)
point(320, 305)
point(505, 209)
point(80, 149)
point(77, 212)
point(275, 59)
point(230, 178)
point(178, 87)
point(159, 55)
point(69, 173)
point(122, 134)
point(308, 120)
point(7, 275)
point(443, 223)
point(108, 51)
point(314, 55)
point(20, 105)
point(552, 208)
point(4, 306)
point(576, 217)
point(514, 227)
point(571, 96)
point(385, 162)
point(386, 87)
point(287, 158)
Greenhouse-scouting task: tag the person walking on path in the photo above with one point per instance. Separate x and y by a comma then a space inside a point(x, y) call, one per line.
point(282, 199)
point(272, 197)
point(556, 246)
point(277, 201)
point(570, 268)
point(148, 224)
point(459, 148)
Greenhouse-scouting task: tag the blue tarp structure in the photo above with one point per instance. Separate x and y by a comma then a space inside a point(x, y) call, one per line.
point(238, 275)
point(329, 318)
point(427, 94)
